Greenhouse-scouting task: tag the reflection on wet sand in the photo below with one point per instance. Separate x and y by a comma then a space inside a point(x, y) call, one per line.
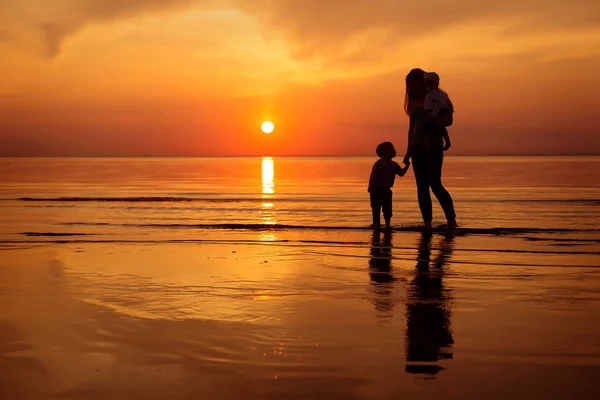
point(428, 331)
point(380, 272)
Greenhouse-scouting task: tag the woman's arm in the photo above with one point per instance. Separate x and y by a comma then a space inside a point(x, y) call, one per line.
point(411, 132)
point(446, 119)
point(446, 137)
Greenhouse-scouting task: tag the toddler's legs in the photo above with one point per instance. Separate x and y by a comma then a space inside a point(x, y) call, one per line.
point(386, 205)
point(376, 208)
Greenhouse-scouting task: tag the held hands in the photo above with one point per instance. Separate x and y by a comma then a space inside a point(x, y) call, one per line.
point(406, 160)
point(404, 169)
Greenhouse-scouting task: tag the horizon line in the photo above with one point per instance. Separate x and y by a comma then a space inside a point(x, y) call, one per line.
point(298, 156)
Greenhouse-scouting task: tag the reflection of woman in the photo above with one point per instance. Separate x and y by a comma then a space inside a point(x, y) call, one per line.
point(427, 155)
point(380, 268)
point(428, 333)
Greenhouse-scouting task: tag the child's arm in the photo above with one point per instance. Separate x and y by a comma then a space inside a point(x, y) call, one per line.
point(372, 177)
point(401, 171)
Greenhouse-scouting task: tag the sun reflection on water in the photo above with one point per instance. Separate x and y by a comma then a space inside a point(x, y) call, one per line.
point(267, 213)
point(267, 237)
point(268, 176)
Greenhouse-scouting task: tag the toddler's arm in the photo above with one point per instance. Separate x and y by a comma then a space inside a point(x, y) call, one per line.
point(372, 177)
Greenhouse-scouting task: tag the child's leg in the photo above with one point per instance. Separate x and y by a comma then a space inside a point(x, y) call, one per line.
point(376, 208)
point(386, 205)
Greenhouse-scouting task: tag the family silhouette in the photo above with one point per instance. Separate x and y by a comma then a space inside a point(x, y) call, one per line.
point(430, 112)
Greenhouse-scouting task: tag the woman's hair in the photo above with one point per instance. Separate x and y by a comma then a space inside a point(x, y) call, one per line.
point(415, 87)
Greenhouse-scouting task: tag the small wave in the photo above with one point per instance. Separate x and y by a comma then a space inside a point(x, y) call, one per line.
point(298, 199)
point(566, 241)
point(465, 262)
point(151, 199)
point(273, 227)
point(303, 243)
point(289, 243)
point(169, 199)
point(56, 234)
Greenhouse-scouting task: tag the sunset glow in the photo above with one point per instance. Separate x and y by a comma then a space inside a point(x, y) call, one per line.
point(196, 78)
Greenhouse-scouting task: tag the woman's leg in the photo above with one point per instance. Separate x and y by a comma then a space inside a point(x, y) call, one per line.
point(436, 159)
point(420, 168)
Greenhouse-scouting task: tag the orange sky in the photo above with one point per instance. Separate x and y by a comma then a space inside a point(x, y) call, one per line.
point(197, 77)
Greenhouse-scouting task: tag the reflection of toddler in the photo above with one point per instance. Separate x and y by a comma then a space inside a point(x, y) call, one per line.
point(381, 181)
point(437, 104)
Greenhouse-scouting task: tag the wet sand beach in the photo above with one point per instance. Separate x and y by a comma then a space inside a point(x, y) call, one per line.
point(394, 315)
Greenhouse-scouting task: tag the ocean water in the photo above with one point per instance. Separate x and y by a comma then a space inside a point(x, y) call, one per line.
point(173, 197)
point(257, 278)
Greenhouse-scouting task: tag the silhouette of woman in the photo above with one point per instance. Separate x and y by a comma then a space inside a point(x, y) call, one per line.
point(427, 155)
point(428, 333)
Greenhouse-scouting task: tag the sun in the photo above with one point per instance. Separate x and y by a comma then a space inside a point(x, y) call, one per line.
point(267, 127)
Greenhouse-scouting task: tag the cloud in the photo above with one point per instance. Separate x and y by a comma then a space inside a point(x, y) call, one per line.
point(353, 31)
point(54, 33)
point(55, 21)
point(350, 29)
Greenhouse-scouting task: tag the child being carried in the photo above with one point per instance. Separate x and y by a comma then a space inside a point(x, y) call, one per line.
point(439, 110)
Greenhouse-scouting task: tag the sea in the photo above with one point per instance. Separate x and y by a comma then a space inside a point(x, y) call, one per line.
point(114, 199)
